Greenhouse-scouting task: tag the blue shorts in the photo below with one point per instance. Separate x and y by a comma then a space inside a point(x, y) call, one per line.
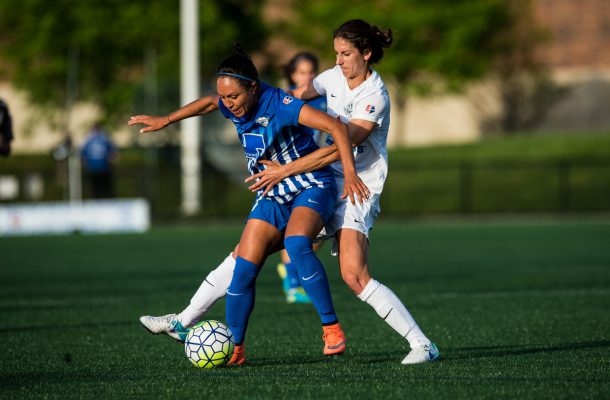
point(320, 200)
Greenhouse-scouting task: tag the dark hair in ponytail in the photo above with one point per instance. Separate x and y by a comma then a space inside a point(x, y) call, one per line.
point(239, 66)
point(294, 61)
point(365, 37)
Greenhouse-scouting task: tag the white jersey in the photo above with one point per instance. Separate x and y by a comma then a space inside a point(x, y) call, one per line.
point(370, 102)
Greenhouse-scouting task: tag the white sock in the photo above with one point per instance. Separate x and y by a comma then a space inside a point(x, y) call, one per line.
point(390, 308)
point(213, 287)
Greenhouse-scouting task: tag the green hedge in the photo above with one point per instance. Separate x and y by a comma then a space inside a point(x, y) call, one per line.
point(526, 173)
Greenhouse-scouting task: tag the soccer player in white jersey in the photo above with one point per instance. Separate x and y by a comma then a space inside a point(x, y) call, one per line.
point(271, 125)
point(356, 94)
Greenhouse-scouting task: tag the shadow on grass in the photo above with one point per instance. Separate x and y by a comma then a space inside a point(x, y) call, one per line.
point(353, 358)
point(465, 353)
point(14, 329)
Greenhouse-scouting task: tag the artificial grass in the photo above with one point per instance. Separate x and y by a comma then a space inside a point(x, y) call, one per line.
point(519, 309)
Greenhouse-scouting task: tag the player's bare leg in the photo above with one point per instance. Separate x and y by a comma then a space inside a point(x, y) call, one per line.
point(353, 263)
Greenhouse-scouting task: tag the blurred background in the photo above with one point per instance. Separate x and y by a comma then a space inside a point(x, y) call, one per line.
point(498, 106)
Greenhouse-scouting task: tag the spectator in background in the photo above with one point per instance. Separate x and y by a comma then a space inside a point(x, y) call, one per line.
point(6, 130)
point(98, 155)
point(300, 70)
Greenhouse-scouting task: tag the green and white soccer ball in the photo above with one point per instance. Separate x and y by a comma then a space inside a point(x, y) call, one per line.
point(209, 344)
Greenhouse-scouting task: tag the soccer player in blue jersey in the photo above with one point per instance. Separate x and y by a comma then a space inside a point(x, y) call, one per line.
point(301, 69)
point(269, 124)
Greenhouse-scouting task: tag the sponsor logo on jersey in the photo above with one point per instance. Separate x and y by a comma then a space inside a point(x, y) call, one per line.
point(370, 109)
point(287, 100)
point(348, 110)
point(263, 121)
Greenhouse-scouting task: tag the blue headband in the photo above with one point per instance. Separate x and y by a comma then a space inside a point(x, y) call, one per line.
point(245, 78)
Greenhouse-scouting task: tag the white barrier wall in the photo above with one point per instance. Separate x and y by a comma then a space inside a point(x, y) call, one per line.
point(92, 216)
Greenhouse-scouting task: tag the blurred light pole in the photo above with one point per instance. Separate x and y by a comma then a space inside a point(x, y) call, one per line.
point(151, 96)
point(75, 193)
point(189, 91)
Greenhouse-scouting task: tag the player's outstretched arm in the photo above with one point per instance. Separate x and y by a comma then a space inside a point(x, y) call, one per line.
point(200, 106)
point(353, 185)
point(274, 173)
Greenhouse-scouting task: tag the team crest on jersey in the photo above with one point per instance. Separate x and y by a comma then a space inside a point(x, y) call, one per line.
point(287, 100)
point(370, 109)
point(262, 121)
point(348, 110)
point(254, 147)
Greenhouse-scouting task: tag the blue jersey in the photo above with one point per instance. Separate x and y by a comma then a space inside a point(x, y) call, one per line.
point(272, 132)
point(317, 103)
point(97, 152)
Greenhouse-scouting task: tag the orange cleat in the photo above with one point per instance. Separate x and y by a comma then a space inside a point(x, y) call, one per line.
point(334, 340)
point(238, 357)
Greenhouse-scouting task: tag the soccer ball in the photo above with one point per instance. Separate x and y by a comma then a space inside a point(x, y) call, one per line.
point(209, 344)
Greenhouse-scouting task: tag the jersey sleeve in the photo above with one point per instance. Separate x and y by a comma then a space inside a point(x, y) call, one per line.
point(321, 82)
point(371, 108)
point(287, 108)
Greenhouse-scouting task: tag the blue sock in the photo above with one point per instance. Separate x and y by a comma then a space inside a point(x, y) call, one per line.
point(292, 275)
point(312, 274)
point(240, 298)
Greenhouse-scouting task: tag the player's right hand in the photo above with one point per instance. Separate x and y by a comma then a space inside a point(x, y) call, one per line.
point(355, 189)
point(152, 122)
point(268, 178)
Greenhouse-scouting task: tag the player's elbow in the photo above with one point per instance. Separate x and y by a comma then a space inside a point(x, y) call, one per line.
point(338, 128)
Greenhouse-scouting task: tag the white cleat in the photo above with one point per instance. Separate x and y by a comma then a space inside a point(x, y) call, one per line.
point(167, 324)
point(422, 354)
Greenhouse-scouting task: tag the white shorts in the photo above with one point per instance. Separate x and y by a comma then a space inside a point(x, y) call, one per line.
point(359, 217)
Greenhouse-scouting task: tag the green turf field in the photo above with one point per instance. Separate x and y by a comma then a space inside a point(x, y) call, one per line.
point(519, 309)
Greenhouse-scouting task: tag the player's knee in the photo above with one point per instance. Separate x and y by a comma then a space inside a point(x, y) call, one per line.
point(351, 280)
point(297, 246)
point(356, 281)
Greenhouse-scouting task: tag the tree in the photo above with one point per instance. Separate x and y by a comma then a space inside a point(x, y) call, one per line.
point(525, 90)
point(435, 40)
point(111, 41)
point(439, 45)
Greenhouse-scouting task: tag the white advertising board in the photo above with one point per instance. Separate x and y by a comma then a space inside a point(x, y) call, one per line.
point(91, 216)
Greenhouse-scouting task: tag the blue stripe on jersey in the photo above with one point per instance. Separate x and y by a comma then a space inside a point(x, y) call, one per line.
point(272, 132)
point(284, 151)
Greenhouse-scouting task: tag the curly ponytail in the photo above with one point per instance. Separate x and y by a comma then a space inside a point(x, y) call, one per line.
point(365, 37)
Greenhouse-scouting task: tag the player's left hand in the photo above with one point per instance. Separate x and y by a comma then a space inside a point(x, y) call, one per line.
point(353, 187)
point(268, 178)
